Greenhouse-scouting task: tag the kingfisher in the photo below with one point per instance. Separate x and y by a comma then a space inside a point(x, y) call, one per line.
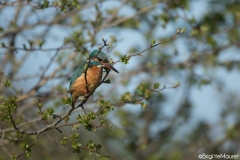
point(94, 66)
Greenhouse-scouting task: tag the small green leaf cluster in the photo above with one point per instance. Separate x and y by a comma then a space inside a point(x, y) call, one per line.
point(66, 5)
point(13, 156)
point(8, 83)
point(75, 144)
point(75, 126)
point(133, 99)
point(104, 107)
point(38, 104)
point(64, 140)
point(1, 29)
point(7, 106)
point(93, 146)
point(86, 120)
point(156, 85)
point(125, 59)
point(76, 39)
point(143, 91)
point(47, 113)
point(45, 4)
point(153, 42)
point(127, 97)
point(27, 149)
point(180, 31)
point(67, 100)
point(203, 82)
point(3, 44)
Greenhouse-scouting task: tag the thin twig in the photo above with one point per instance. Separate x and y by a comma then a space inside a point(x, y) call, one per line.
point(12, 129)
point(151, 46)
point(19, 131)
point(36, 49)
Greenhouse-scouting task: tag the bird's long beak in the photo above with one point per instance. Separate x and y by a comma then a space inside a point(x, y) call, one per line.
point(109, 66)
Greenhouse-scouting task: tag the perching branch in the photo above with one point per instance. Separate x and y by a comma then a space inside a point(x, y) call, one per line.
point(154, 45)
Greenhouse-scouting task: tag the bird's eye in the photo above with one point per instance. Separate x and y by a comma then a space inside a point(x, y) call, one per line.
point(99, 59)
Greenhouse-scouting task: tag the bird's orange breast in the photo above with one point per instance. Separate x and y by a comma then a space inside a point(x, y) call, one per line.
point(94, 77)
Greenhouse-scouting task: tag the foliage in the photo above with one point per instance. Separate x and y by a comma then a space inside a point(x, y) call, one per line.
point(134, 114)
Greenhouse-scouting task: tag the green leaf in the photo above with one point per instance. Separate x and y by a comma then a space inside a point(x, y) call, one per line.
point(147, 94)
point(211, 41)
point(41, 43)
point(203, 82)
point(153, 42)
point(67, 100)
point(143, 105)
point(64, 140)
point(183, 30)
point(1, 29)
point(156, 85)
point(180, 31)
point(7, 106)
point(30, 43)
point(47, 113)
point(104, 107)
point(74, 137)
point(91, 144)
point(107, 81)
point(126, 97)
point(38, 104)
point(125, 59)
point(3, 44)
point(13, 156)
point(141, 89)
point(45, 4)
point(8, 83)
point(75, 126)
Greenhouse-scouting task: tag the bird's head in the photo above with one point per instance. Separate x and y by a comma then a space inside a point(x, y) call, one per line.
point(101, 59)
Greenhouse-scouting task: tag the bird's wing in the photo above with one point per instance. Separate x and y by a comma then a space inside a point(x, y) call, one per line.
point(77, 73)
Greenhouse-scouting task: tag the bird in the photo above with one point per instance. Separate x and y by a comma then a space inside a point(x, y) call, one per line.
point(93, 66)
